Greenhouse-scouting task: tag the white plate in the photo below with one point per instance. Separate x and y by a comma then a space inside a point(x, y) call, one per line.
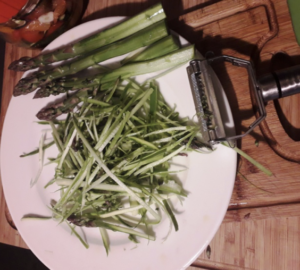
point(209, 181)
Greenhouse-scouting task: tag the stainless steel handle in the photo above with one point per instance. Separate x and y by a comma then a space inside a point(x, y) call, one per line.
point(280, 84)
point(254, 86)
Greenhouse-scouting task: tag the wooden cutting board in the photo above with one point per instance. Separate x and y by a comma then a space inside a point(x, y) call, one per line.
point(261, 228)
point(238, 35)
point(263, 217)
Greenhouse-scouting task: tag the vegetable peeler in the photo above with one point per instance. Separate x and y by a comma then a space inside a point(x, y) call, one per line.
point(272, 86)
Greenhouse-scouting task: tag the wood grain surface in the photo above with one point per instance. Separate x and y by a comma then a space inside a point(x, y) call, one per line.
point(261, 228)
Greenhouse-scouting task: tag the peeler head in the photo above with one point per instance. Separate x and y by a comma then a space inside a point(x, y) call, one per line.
point(206, 102)
point(207, 109)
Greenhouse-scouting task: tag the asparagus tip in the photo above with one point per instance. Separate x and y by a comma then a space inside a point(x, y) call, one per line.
point(17, 92)
point(23, 64)
point(25, 86)
point(42, 92)
point(47, 114)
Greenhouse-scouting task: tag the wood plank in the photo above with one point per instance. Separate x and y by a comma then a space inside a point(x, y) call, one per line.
point(259, 244)
point(269, 238)
point(197, 268)
point(266, 212)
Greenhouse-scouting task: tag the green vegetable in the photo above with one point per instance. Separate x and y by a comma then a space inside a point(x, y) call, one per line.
point(45, 146)
point(121, 161)
point(116, 142)
point(142, 38)
point(107, 80)
point(165, 62)
point(254, 162)
point(158, 49)
point(105, 37)
point(161, 47)
point(294, 7)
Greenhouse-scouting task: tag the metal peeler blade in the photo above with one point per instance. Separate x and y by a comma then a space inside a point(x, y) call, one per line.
point(207, 109)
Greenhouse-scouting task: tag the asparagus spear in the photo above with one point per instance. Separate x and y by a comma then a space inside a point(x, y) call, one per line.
point(165, 62)
point(140, 39)
point(61, 107)
point(168, 61)
point(105, 37)
point(163, 46)
point(55, 88)
point(176, 58)
point(160, 48)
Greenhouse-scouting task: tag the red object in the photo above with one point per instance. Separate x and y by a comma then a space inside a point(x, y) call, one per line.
point(32, 31)
point(16, 36)
point(53, 28)
point(30, 36)
point(9, 8)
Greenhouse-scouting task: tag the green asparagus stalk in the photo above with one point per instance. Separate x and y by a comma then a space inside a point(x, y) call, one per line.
point(140, 39)
point(105, 79)
point(57, 87)
point(61, 107)
point(168, 61)
point(158, 49)
point(105, 37)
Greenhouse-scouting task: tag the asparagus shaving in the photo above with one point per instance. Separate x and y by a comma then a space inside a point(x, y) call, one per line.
point(45, 146)
point(253, 161)
point(251, 183)
point(105, 239)
point(99, 223)
point(167, 206)
point(78, 236)
point(41, 160)
point(111, 175)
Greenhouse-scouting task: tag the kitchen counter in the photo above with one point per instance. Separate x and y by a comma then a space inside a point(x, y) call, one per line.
point(261, 229)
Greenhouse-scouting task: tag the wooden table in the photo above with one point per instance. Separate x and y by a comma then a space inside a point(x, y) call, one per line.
point(261, 229)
